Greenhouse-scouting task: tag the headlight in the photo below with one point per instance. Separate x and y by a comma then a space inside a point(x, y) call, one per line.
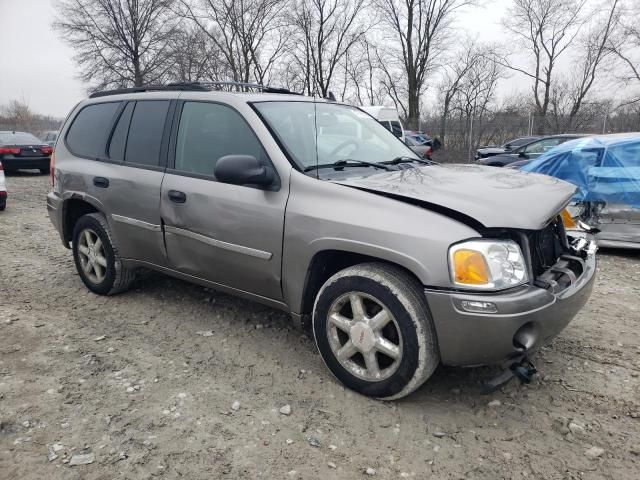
point(487, 264)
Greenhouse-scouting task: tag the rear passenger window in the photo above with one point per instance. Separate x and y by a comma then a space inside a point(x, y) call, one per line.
point(119, 137)
point(88, 133)
point(208, 131)
point(145, 132)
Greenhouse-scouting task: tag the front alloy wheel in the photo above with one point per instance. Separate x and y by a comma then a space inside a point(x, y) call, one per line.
point(364, 336)
point(372, 327)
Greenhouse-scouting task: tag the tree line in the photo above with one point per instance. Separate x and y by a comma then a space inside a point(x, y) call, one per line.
point(410, 53)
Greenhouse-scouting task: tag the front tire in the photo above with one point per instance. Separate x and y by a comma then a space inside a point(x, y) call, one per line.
point(372, 327)
point(96, 256)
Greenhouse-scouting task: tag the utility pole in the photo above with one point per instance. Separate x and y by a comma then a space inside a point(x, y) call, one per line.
point(470, 138)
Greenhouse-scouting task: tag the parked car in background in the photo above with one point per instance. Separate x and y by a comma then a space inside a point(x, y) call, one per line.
point(491, 150)
point(312, 207)
point(23, 151)
point(606, 170)
point(421, 145)
point(528, 151)
point(50, 137)
point(388, 117)
point(3, 189)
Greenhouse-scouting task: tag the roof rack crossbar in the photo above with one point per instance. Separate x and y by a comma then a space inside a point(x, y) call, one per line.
point(196, 86)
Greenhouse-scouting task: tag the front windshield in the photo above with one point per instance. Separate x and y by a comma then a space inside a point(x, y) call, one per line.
point(325, 133)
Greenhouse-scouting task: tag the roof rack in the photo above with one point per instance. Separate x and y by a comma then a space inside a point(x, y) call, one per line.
point(197, 86)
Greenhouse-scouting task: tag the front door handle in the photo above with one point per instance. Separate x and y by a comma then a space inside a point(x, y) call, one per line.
point(101, 182)
point(177, 197)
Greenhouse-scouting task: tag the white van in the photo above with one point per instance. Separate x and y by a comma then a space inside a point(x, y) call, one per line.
point(388, 117)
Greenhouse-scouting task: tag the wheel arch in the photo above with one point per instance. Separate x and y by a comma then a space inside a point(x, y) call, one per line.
point(325, 263)
point(73, 208)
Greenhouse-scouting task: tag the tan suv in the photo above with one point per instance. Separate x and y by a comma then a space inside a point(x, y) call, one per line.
point(312, 207)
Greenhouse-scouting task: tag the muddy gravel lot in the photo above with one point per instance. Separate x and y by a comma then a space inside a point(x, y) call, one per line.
point(172, 380)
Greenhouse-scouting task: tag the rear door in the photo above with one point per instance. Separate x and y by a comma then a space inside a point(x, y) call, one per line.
point(227, 234)
point(123, 166)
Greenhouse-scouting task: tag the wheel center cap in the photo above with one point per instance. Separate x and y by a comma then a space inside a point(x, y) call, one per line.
point(362, 336)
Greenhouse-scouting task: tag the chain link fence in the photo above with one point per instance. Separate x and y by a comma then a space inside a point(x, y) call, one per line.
point(462, 136)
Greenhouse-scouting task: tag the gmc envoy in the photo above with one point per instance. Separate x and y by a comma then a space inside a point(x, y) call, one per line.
point(312, 207)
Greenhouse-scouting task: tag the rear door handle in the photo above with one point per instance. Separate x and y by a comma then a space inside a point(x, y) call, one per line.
point(101, 182)
point(177, 197)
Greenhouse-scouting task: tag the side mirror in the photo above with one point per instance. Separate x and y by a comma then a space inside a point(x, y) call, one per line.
point(244, 170)
point(522, 154)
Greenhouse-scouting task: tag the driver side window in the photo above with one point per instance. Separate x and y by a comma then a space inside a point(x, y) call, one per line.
point(209, 131)
point(542, 146)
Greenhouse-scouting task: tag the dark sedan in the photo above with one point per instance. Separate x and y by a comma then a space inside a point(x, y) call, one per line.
point(528, 151)
point(490, 151)
point(24, 151)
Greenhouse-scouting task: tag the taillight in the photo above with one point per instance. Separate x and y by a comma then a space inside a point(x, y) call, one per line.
point(1, 167)
point(9, 150)
point(428, 152)
point(46, 150)
point(52, 169)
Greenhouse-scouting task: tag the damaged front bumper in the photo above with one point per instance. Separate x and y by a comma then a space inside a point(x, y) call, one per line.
point(518, 320)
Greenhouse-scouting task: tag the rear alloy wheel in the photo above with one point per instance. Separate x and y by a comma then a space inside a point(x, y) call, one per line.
point(91, 253)
point(96, 257)
point(373, 330)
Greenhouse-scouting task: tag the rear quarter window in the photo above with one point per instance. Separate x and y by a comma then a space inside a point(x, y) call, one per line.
point(145, 132)
point(88, 132)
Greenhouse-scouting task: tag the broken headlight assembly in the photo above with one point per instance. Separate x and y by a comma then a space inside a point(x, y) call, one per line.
point(487, 264)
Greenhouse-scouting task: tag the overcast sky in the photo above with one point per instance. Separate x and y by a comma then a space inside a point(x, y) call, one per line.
point(38, 68)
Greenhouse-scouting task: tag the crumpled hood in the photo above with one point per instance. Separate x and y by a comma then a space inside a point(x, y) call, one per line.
point(494, 197)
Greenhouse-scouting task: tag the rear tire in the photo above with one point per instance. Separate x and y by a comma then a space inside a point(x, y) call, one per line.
point(96, 256)
point(384, 343)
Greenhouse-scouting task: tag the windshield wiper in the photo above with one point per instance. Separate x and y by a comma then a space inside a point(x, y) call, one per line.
point(404, 159)
point(346, 162)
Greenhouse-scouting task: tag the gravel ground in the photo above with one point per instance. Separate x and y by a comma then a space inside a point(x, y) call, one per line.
point(171, 380)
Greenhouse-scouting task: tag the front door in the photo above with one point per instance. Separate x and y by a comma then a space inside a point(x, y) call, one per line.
point(228, 234)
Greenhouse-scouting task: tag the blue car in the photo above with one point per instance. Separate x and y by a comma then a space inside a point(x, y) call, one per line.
point(606, 170)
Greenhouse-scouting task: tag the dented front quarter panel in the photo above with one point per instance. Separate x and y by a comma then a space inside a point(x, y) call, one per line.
point(323, 215)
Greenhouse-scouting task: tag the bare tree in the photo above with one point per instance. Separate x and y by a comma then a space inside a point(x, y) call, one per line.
point(250, 34)
point(593, 54)
point(455, 71)
point(545, 29)
point(196, 58)
point(627, 49)
point(19, 115)
point(118, 42)
point(475, 96)
point(420, 30)
point(362, 73)
point(325, 31)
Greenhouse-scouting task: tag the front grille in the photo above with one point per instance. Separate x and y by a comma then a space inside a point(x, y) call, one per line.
point(546, 246)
